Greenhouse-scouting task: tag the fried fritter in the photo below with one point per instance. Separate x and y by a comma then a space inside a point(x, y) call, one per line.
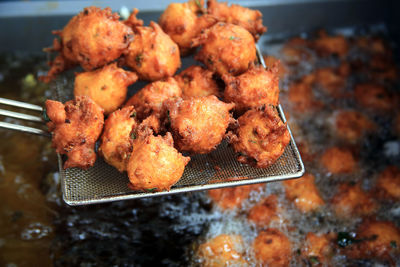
point(388, 184)
point(254, 88)
point(107, 86)
point(301, 95)
point(150, 99)
point(184, 21)
point(272, 62)
point(295, 51)
point(326, 45)
point(261, 137)
point(264, 212)
point(249, 19)
point(92, 39)
point(223, 250)
point(317, 249)
point(272, 248)
point(232, 197)
point(199, 124)
point(154, 164)
point(196, 81)
point(351, 125)
point(338, 160)
point(332, 80)
point(76, 126)
point(226, 48)
point(152, 53)
point(374, 97)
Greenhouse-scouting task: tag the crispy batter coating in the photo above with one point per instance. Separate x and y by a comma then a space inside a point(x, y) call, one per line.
point(351, 200)
point(304, 193)
point(183, 22)
point(388, 184)
point(338, 160)
point(351, 125)
point(116, 141)
point(199, 124)
point(261, 137)
point(132, 21)
point(76, 126)
point(155, 164)
point(249, 19)
point(92, 39)
point(317, 249)
point(107, 86)
point(272, 248)
point(301, 95)
point(377, 240)
point(326, 45)
point(374, 97)
point(272, 62)
point(152, 53)
point(222, 250)
point(254, 88)
point(264, 212)
point(150, 99)
point(197, 81)
point(226, 48)
point(232, 197)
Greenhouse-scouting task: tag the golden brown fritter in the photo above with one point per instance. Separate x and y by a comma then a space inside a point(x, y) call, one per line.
point(184, 21)
point(261, 137)
point(374, 97)
point(197, 81)
point(301, 95)
point(254, 88)
point(264, 212)
point(154, 164)
point(150, 99)
point(226, 48)
point(249, 19)
point(118, 134)
point(232, 197)
point(92, 39)
point(199, 124)
point(351, 125)
point(317, 249)
point(223, 250)
point(351, 200)
point(338, 160)
point(75, 126)
point(304, 193)
point(326, 45)
point(333, 80)
point(107, 86)
point(388, 184)
point(272, 248)
point(152, 53)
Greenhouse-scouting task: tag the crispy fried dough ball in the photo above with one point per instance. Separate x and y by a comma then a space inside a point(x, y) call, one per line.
point(116, 141)
point(332, 80)
point(304, 193)
point(249, 19)
point(155, 164)
point(199, 124)
point(182, 22)
point(107, 86)
point(377, 240)
point(388, 184)
point(317, 249)
point(152, 53)
point(264, 212)
point(92, 39)
point(261, 137)
point(351, 200)
point(76, 126)
point(374, 97)
point(326, 45)
point(254, 88)
point(226, 48)
point(351, 125)
point(222, 250)
point(196, 81)
point(301, 95)
point(272, 248)
point(338, 160)
point(232, 197)
point(150, 99)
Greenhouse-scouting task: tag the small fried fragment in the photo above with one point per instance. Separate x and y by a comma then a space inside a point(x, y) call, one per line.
point(374, 97)
point(197, 81)
point(351, 125)
point(132, 21)
point(222, 250)
point(388, 184)
point(107, 86)
point(226, 48)
point(338, 160)
point(154, 164)
point(317, 249)
point(232, 197)
point(304, 193)
point(272, 248)
point(326, 45)
point(261, 137)
point(272, 62)
point(185, 21)
point(152, 53)
point(199, 124)
point(75, 126)
point(264, 212)
point(249, 19)
point(254, 88)
point(351, 200)
point(150, 99)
